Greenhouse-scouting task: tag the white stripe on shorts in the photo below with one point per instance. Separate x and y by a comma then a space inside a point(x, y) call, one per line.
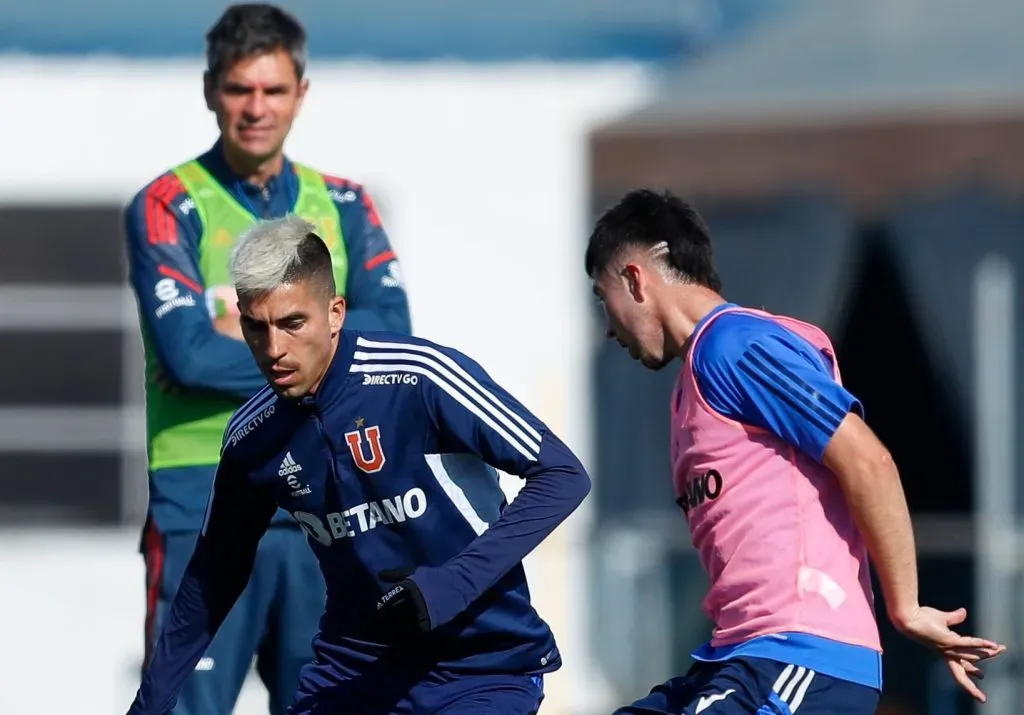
point(792, 684)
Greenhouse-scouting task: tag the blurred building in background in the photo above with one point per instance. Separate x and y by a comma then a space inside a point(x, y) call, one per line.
point(404, 30)
point(860, 165)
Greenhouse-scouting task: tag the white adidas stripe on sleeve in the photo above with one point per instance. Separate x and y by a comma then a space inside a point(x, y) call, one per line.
point(457, 383)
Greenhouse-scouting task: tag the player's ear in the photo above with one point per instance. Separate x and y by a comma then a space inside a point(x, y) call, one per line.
point(336, 314)
point(634, 279)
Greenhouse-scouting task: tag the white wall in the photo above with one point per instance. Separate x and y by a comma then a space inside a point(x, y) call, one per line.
point(481, 176)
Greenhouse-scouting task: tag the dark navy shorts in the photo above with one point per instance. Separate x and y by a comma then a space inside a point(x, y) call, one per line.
point(322, 692)
point(755, 686)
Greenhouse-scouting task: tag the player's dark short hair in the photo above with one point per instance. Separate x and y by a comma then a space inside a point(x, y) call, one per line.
point(313, 266)
point(251, 29)
point(644, 219)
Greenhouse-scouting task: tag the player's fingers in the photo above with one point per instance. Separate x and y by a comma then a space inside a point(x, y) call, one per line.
point(960, 675)
point(967, 656)
point(973, 671)
point(972, 655)
point(955, 641)
point(990, 652)
point(954, 618)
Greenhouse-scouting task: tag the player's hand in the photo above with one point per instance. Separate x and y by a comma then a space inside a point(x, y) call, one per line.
point(931, 627)
point(401, 611)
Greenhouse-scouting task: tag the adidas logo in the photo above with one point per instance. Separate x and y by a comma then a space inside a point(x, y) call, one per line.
point(288, 466)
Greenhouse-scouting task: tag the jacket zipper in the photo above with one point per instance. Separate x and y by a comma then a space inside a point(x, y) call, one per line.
point(330, 448)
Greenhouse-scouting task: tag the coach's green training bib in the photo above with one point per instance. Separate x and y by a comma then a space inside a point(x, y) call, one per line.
point(185, 430)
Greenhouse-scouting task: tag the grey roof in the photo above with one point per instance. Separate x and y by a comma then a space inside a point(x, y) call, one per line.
point(852, 56)
point(395, 29)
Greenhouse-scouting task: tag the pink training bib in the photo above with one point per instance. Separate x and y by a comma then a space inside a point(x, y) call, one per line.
point(772, 526)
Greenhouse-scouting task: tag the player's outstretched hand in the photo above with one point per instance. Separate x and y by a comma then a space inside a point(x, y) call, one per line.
point(932, 628)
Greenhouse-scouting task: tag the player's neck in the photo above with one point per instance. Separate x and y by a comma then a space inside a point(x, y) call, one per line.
point(687, 313)
point(256, 171)
point(326, 366)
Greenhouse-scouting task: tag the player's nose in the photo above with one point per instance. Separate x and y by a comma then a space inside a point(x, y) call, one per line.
point(276, 347)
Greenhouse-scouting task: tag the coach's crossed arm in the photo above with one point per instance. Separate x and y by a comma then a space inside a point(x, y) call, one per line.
point(163, 263)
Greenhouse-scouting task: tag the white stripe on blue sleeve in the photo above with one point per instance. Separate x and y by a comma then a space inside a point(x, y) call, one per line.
point(454, 380)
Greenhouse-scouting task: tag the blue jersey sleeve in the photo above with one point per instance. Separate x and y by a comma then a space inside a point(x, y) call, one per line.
point(473, 414)
point(375, 291)
point(237, 516)
point(163, 270)
point(755, 371)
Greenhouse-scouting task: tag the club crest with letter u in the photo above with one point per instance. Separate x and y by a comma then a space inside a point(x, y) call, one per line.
point(366, 453)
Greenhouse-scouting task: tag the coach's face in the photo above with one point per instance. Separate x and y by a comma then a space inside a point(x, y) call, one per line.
point(256, 99)
point(292, 332)
point(631, 316)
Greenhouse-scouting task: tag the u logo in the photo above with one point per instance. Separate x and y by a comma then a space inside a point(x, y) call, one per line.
point(376, 459)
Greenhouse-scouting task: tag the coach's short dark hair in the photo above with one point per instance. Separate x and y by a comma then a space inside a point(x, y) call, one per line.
point(252, 29)
point(643, 219)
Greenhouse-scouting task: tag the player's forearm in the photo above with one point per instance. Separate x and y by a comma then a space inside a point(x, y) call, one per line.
point(208, 590)
point(553, 490)
point(544, 502)
point(875, 495)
